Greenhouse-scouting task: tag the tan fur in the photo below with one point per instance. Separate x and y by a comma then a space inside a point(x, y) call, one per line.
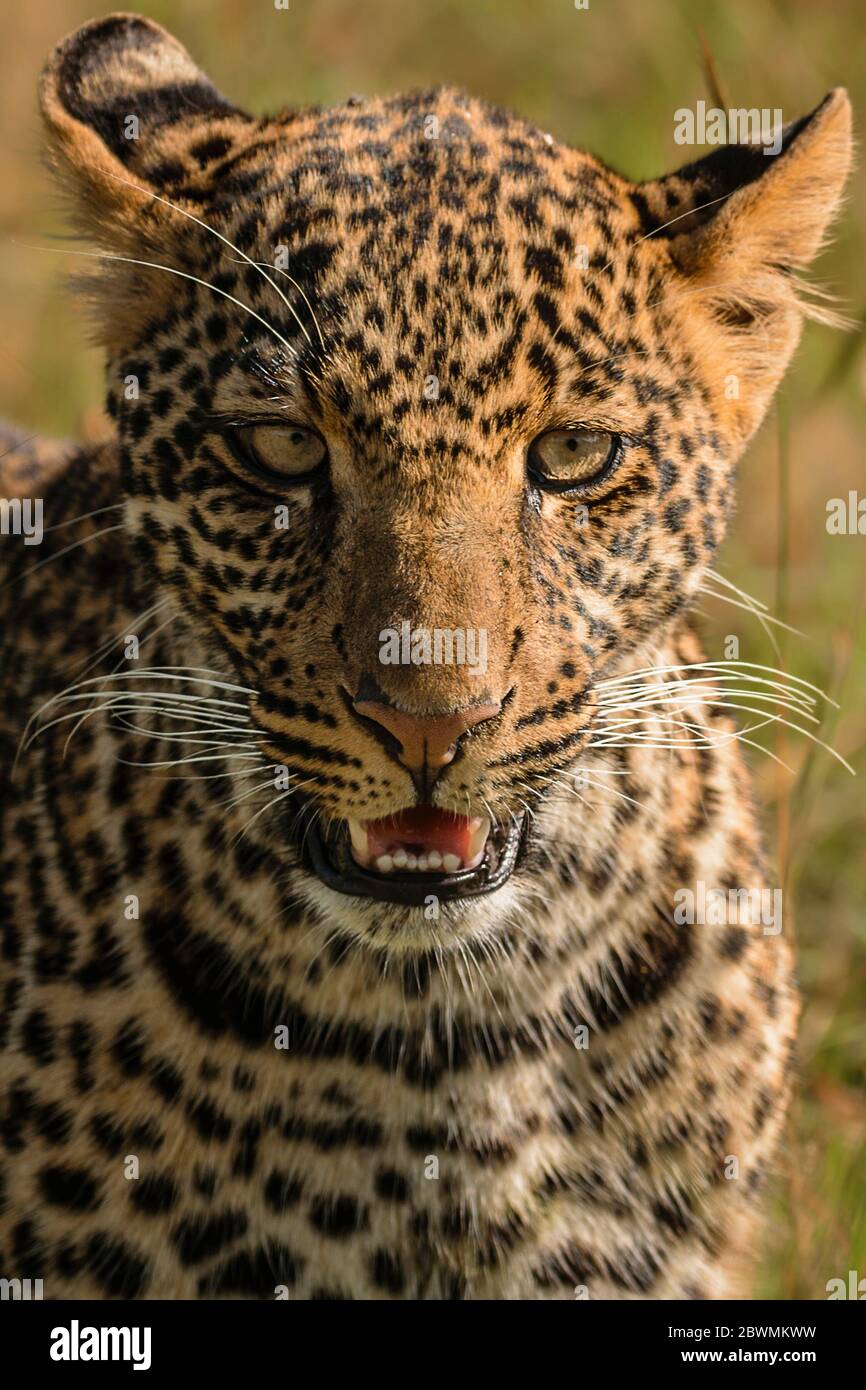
point(416, 1040)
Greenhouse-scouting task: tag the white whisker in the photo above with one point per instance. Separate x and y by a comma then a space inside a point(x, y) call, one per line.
point(49, 559)
point(258, 265)
point(171, 270)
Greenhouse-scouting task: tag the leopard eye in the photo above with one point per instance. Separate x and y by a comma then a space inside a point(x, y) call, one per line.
point(284, 451)
point(561, 459)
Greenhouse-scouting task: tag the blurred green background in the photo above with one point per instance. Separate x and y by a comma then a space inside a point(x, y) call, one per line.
point(610, 79)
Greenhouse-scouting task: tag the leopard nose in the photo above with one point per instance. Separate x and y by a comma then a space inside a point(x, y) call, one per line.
point(425, 743)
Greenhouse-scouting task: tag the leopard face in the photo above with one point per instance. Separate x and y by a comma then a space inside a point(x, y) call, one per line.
point(412, 367)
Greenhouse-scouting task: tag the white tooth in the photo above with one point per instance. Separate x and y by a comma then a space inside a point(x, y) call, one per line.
point(411, 861)
point(384, 863)
point(360, 839)
point(434, 859)
point(451, 863)
point(478, 841)
point(423, 863)
point(400, 858)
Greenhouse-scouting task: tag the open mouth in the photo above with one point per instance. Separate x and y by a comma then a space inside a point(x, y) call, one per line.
point(418, 853)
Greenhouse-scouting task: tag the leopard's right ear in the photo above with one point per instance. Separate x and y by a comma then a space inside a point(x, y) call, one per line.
point(123, 105)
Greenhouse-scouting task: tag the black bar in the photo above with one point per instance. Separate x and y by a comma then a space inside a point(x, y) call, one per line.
point(289, 1339)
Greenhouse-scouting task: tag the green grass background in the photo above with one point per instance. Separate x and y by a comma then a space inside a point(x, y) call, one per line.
point(608, 78)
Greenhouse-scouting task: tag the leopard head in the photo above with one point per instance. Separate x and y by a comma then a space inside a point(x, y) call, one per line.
point(428, 424)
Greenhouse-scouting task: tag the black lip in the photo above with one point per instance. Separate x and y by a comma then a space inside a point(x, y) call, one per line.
point(413, 890)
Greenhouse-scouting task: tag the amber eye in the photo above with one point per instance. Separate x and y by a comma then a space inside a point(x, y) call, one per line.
point(283, 451)
point(562, 459)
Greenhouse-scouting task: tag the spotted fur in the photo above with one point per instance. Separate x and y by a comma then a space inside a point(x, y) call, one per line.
point(432, 1130)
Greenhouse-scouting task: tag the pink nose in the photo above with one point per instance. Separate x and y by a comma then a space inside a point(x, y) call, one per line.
point(426, 742)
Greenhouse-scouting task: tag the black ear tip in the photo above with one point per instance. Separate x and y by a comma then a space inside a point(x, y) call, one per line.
point(114, 70)
point(120, 23)
point(113, 32)
point(836, 103)
point(98, 45)
point(833, 112)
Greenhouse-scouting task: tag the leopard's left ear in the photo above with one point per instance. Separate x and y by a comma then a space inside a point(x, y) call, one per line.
point(739, 225)
point(762, 203)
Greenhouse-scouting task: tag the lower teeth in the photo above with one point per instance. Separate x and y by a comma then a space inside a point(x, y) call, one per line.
point(433, 862)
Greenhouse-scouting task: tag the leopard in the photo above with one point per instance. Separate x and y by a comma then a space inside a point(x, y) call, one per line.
point(359, 740)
